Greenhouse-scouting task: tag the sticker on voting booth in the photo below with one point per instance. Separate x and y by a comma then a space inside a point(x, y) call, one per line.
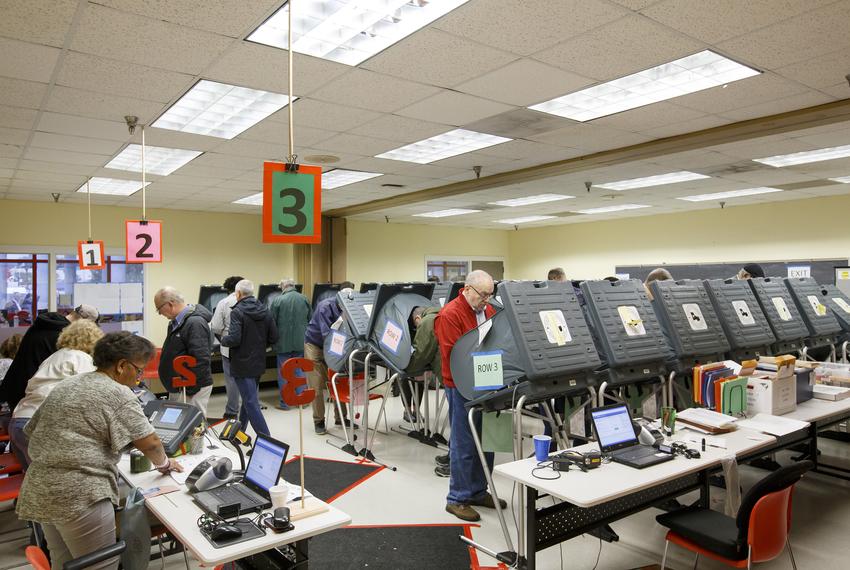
point(842, 304)
point(368, 310)
point(695, 318)
point(487, 370)
point(90, 254)
point(781, 308)
point(820, 308)
point(745, 315)
point(391, 337)
point(631, 320)
point(555, 326)
point(143, 241)
point(337, 343)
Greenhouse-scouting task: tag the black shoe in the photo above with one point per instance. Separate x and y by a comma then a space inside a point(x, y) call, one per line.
point(487, 501)
point(410, 417)
point(442, 471)
point(348, 424)
point(320, 428)
point(229, 416)
point(442, 460)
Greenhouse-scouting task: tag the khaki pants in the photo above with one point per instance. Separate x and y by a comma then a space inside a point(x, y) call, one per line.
point(200, 399)
point(92, 531)
point(317, 379)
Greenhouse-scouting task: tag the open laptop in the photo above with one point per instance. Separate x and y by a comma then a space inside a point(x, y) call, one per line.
point(264, 469)
point(616, 436)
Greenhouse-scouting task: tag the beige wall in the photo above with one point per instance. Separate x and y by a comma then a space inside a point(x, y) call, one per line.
point(198, 248)
point(396, 252)
point(798, 229)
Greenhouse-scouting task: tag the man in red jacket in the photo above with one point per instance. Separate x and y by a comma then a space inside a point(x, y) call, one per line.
point(467, 485)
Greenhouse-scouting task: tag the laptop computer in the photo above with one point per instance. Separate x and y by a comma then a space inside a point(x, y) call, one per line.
point(263, 472)
point(616, 436)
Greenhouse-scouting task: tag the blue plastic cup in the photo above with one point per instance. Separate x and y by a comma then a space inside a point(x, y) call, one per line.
point(541, 447)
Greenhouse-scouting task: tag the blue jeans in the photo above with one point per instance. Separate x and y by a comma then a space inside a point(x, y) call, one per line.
point(467, 481)
point(281, 358)
point(233, 404)
point(20, 441)
point(250, 410)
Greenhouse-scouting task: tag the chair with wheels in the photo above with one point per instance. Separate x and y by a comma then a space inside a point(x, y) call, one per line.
point(759, 532)
point(39, 561)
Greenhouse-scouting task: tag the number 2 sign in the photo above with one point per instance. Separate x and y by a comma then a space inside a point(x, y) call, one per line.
point(292, 204)
point(90, 254)
point(144, 241)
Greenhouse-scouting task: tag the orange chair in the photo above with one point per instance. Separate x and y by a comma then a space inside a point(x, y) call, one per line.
point(39, 561)
point(10, 487)
point(151, 371)
point(759, 533)
point(339, 391)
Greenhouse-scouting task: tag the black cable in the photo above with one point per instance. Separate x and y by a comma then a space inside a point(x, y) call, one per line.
point(546, 465)
point(598, 554)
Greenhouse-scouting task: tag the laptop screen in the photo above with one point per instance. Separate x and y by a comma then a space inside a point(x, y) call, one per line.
point(266, 463)
point(613, 426)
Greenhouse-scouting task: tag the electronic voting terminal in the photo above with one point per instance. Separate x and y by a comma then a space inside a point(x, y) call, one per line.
point(173, 422)
point(781, 312)
point(824, 328)
point(839, 303)
point(741, 317)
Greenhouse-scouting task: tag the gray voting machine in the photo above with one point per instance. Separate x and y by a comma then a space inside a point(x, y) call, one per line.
point(781, 312)
point(741, 317)
point(350, 333)
point(823, 327)
point(839, 303)
point(390, 333)
point(444, 292)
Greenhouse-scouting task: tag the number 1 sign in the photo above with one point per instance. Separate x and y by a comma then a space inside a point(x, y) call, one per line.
point(144, 241)
point(90, 254)
point(292, 204)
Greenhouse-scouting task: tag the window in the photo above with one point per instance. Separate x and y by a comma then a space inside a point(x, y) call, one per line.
point(116, 290)
point(24, 287)
point(448, 270)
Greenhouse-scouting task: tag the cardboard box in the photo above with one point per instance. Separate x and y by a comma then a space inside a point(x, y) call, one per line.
point(773, 393)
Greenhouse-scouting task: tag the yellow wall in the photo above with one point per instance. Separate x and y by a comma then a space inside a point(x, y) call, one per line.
point(778, 231)
point(198, 248)
point(396, 252)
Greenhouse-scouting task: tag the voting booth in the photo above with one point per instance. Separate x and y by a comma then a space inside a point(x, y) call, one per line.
point(839, 303)
point(390, 329)
point(349, 333)
point(210, 295)
point(445, 292)
point(824, 328)
point(322, 291)
point(267, 293)
point(741, 317)
point(781, 313)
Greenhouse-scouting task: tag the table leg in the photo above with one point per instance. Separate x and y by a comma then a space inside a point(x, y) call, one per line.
point(302, 558)
point(530, 550)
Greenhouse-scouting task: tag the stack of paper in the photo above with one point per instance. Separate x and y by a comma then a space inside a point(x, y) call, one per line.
point(773, 425)
point(707, 420)
point(826, 392)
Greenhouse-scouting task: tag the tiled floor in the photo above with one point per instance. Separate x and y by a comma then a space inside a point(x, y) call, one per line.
point(413, 494)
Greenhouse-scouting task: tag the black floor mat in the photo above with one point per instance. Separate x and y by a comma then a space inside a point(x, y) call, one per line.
point(391, 548)
point(327, 479)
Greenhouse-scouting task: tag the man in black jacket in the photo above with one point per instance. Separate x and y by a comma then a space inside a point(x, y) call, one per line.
point(38, 343)
point(252, 330)
point(188, 334)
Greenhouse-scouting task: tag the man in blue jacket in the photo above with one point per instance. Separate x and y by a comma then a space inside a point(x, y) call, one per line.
point(252, 330)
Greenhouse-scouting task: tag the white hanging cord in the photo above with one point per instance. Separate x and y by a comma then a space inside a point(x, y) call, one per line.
point(88, 193)
point(291, 159)
point(144, 196)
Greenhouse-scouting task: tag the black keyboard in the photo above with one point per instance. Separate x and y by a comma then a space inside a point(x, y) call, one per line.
point(236, 494)
point(634, 452)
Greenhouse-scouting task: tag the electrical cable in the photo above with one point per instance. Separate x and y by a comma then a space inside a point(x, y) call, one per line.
point(598, 554)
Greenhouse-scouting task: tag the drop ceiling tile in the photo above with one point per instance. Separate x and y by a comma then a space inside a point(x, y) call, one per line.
point(39, 21)
point(207, 171)
point(527, 26)
point(467, 160)
point(20, 93)
point(648, 117)
point(177, 180)
point(175, 139)
point(822, 71)
point(66, 157)
point(40, 60)
point(274, 132)
point(10, 151)
point(356, 144)
point(691, 160)
point(327, 116)
point(629, 45)
point(375, 91)
point(17, 117)
point(683, 127)
point(839, 91)
point(263, 67)
point(437, 58)
point(13, 136)
point(6, 175)
point(260, 151)
point(792, 103)
point(119, 35)
point(58, 167)
point(589, 137)
point(218, 159)
point(798, 39)
point(101, 106)
point(234, 18)
point(428, 171)
point(454, 108)
point(372, 164)
point(757, 89)
point(78, 144)
point(50, 177)
point(824, 140)
point(401, 129)
point(240, 186)
point(635, 5)
point(759, 148)
point(524, 82)
point(72, 125)
point(520, 149)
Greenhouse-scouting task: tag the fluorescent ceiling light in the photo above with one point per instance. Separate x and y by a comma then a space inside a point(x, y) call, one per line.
point(539, 199)
point(696, 72)
point(158, 160)
point(340, 177)
point(220, 110)
point(842, 179)
point(657, 180)
point(349, 31)
point(609, 209)
point(252, 200)
point(446, 213)
point(112, 186)
point(452, 143)
point(730, 194)
point(524, 219)
point(806, 156)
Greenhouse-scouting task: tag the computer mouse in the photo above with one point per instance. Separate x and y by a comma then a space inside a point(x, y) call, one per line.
point(225, 531)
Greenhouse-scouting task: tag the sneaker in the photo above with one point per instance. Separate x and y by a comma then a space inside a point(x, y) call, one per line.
point(282, 406)
point(486, 501)
point(229, 416)
point(348, 424)
point(463, 512)
point(442, 460)
point(320, 428)
point(442, 471)
point(410, 417)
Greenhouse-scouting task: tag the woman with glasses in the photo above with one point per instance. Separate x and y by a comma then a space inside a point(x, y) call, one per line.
point(75, 345)
point(76, 438)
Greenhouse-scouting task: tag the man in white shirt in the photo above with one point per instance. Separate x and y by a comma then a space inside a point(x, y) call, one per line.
point(220, 326)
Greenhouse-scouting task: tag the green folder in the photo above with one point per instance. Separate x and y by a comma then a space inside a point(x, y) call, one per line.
point(733, 396)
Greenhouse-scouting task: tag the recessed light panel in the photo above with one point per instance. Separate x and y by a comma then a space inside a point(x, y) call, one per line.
point(690, 74)
point(609, 209)
point(339, 177)
point(446, 213)
point(252, 200)
point(446, 145)
point(158, 160)
point(524, 220)
point(806, 156)
point(730, 194)
point(112, 186)
point(528, 200)
point(220, 110)
point(658, 180)
point(349, 31)
point(842, 179)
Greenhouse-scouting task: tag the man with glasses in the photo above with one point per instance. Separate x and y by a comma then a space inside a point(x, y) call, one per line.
point(467, 483)
point(188, 334)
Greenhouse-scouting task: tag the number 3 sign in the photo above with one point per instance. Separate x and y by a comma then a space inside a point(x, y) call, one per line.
point(144, 241)
point(292, 204)
point(90, 254)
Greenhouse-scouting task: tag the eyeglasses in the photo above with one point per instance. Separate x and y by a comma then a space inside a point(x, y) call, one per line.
point(484, 296)
point(159, 308)
point(139, 370)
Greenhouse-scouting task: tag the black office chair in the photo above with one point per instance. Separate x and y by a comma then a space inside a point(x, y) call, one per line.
point(759, 532)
